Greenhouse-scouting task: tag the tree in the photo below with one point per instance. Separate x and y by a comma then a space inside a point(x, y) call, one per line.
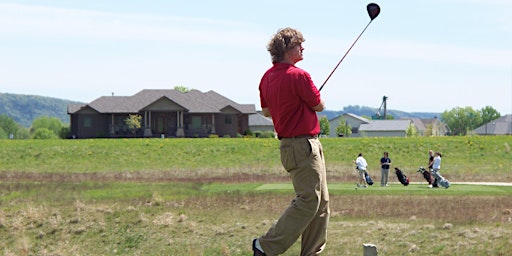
point(133, 123)
point(343, 128)
point(8, 126)
point(461, 120)
point(64, 132)
point(10, 129)
point(182, 88)
point(324, 126)
point(412, 131)
point(428, 130)
point(3, 134)
point(53, 124)
point(44, 134)
point(489, 114)
point(23, 133)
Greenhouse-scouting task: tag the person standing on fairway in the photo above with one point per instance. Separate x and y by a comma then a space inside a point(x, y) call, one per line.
point(288, 95)
point(385, 163)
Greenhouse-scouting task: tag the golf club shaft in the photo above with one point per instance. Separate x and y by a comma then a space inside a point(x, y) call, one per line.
point(345, 55)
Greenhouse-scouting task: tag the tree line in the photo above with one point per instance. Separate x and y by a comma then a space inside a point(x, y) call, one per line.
point(45, 127)
point(459, 120)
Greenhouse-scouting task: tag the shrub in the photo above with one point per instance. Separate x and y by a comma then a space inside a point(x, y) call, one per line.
point(267, 134)
point(44, 134)
point(64, 132)
point(249, 133)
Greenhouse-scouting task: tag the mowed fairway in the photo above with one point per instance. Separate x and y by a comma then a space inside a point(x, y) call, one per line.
point(398, 189)
point(212, 196)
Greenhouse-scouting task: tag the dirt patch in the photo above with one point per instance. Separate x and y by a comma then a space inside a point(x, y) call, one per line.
point(135, 177)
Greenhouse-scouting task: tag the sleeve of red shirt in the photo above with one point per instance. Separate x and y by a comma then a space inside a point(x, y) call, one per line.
point(307, 90)
point(263, 103)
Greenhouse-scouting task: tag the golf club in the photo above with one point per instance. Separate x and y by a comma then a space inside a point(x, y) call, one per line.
point(373, 11)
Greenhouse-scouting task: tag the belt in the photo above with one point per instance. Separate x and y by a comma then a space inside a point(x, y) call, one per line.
point(300, 137)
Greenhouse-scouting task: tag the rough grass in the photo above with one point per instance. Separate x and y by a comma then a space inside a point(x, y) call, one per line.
point(203, 197)
point(225, 226)
point(204, 219)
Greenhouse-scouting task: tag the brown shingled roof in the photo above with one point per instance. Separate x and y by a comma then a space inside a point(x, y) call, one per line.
point(193, 101)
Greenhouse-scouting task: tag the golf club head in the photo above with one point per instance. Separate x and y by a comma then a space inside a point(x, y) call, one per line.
point(373, 10)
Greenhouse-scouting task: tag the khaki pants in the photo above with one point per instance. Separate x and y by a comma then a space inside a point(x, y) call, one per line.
point(384, 176)
point(308, 213)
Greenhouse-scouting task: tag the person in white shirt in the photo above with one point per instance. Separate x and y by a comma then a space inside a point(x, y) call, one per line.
point(436, 166)
point(361, 166)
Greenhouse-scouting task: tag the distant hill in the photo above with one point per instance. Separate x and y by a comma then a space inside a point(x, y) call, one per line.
point(23, 109)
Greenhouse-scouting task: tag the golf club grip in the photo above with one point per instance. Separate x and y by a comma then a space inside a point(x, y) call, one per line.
point(344, 56)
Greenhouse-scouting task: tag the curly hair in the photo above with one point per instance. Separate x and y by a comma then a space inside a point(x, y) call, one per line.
point(284, 40)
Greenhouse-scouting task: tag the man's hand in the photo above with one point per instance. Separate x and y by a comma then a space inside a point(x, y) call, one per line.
point(266, 112)
point(320, 107)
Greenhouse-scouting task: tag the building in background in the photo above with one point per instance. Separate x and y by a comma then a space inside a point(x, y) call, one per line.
point(500, 126)
point(164, 113)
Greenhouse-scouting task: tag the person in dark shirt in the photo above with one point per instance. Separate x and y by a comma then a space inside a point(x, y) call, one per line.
point(430, 169)
point(385, 163)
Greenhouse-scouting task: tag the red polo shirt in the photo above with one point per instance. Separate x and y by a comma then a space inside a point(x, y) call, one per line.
point(289, 94)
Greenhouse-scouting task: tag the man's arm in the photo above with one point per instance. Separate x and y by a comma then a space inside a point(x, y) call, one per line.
point(320, 107)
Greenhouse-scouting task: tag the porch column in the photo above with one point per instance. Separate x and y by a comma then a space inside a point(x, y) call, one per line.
point(147, 124)
point(213, 124)
point(180, 131)
point(112, 128)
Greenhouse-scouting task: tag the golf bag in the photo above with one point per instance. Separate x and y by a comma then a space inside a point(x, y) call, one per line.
point(426, 175)
point(401, 176)
point(369, 180)
point(440, 179)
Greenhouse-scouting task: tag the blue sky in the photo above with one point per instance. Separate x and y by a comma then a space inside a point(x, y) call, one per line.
point(426, 56)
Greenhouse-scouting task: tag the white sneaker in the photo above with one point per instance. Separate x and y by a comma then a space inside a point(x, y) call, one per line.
point(430, 186)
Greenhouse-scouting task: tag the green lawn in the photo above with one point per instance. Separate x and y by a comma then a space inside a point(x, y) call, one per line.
point(472, 157)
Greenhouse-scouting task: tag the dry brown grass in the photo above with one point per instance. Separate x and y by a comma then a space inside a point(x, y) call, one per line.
point(225, 225)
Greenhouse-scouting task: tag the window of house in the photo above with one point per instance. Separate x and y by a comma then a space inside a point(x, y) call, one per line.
point(196, 122)
point(228, 120)
point(87, 121)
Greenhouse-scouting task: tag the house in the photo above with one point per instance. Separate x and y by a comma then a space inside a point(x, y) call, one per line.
point(351, 119)
point(385, 128)
point(260, 123)
point(169, 113)
point(500, 126)
point(431, 127)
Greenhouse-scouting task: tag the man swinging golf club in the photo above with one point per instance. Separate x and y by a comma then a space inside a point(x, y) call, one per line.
point(288, 95)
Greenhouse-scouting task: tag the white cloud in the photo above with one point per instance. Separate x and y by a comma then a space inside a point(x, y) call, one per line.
point(23, 20)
